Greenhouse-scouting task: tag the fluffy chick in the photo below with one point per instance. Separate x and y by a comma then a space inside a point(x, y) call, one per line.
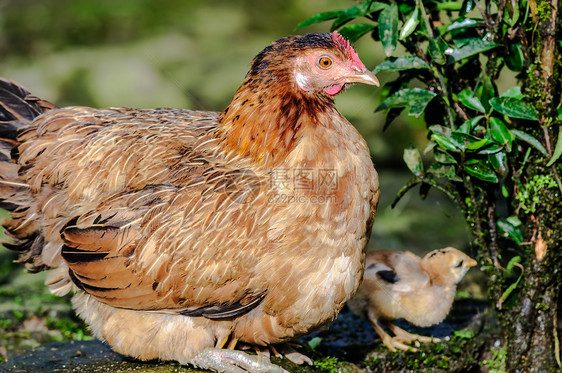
point(403, 285)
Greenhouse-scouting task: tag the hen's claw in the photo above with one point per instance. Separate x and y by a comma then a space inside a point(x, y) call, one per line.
point(233, 361)
point(293, 355)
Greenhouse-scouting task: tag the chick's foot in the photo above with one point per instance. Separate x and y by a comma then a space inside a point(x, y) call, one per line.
point(404, 336)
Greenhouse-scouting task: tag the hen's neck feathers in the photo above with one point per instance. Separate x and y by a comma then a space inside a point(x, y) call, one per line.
point(269, 112)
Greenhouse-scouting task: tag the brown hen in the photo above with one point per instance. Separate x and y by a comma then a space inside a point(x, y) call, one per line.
point(180, 230)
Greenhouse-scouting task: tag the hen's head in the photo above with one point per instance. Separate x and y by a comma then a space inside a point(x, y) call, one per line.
point(314, 63)
point(289, 88)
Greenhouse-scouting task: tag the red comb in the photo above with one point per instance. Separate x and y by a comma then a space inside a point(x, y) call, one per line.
point(346, 46)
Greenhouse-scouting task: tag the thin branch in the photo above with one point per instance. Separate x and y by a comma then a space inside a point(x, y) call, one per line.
point(484, 14)
point(493, 245)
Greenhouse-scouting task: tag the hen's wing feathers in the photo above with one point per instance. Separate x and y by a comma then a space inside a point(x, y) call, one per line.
point(100, 263)
point(238, 308)
point(125, 250)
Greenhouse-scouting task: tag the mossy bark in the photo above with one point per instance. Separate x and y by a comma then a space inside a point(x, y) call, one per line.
point(530, 326)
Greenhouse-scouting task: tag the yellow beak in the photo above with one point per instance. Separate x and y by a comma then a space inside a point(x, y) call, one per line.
point(365, 77)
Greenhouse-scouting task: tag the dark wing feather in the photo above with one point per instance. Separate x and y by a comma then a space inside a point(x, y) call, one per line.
point(389, 276)
point(226, 311)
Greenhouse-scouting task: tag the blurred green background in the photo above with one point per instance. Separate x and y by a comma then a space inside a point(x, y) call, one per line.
point(194, 54)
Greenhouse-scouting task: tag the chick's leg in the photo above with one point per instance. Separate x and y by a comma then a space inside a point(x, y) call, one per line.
point(404, 336)
point(387, 340)
point(233, 361)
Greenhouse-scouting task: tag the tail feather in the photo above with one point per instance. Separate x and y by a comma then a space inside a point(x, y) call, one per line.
point(18, 109)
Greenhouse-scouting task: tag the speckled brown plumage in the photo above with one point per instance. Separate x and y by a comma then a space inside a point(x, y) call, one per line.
point(167, 224)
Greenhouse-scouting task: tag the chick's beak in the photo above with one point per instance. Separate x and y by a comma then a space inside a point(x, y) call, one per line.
point(471, 263)
point(365, 76)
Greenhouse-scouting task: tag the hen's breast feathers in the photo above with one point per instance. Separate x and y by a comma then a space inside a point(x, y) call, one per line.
point(163, 218)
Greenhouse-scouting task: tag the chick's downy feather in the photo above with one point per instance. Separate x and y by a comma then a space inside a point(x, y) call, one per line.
point(180, 228)
point(403, 285)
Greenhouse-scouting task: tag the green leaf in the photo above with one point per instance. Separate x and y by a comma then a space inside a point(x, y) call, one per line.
point(357, 11)
point(514, 108)
point(511, 14)
point(320, 17)
point(481, 169)
point(465, 334)
point(498, 161)
point(314, 342)
point(467, 7)
point(500, 133)
point(514, 220)
point(464, 23)
point(447, 143)
point(373, 6)
point(557, 150)
point(354, 32)
point(514, 92)
point(478, 145)
point(485, 91)
point(507, 292)
point(470, 101)
point(410, 25)
point(514, 58)
point(530, 140)
point(444, 170)
point(413, 160)
point(437, 48)
point(401, 64)
point(475, 144)
point(416, 99)
point(449, 5)
point(444, 157)
point(467, 126)
point(511, 264)
point(512, 287)
point(472, 47)
point(388, 29)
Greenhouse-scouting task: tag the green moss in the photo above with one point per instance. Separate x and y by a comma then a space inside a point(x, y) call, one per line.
point(497, 363)
point(327, 364)
point(454, 355)
point(542, 307)
point(534, 191)
point(543, 10)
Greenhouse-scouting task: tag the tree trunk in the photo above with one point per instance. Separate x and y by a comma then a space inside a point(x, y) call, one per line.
point(530, 326)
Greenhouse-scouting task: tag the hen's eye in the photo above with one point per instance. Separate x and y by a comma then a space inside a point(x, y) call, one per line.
point(325, 62)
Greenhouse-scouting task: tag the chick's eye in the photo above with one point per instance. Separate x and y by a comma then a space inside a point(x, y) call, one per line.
point(459, 264)
point(325, 62)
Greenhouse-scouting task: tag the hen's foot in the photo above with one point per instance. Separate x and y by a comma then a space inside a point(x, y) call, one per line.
point(283, 351)
point(287, 351)
point(233, 361)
